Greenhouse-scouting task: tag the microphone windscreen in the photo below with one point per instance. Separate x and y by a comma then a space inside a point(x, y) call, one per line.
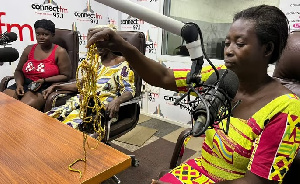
point(12, 36)
point(230, 83)
point(8, 54)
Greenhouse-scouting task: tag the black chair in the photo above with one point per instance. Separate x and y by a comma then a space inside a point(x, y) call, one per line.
point(65, 38)
point(129, 111)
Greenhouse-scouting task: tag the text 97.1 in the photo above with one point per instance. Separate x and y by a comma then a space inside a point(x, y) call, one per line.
point(58, 15)
point(136, 27)
point(94, 21)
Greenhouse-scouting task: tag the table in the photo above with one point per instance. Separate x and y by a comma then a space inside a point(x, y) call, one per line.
point(36, 148)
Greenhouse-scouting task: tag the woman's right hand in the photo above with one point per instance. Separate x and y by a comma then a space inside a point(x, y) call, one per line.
point(20, 90)
point(48, 91)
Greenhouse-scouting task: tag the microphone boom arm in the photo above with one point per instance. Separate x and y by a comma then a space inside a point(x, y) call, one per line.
point(190, 32)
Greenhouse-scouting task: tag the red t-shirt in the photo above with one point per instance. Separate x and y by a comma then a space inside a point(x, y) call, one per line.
point(38, 69)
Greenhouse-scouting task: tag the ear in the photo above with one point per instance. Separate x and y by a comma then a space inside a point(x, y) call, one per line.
point(269, 48)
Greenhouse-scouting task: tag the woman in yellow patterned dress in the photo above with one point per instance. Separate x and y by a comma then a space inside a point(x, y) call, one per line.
point(115, 85)
point(263, 137)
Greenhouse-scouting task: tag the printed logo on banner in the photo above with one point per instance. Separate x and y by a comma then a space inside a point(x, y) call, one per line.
point(294, 17)
point(82, 56)
point(10, 27)
point(151, 45)
point(171, 99)
point(81, 59)
point(158, 111)
point(82, 37)
point(82, 41)
point(49, 7)
point(88, 14)
point(111, 21)
point(132, 23)
point(152, 96)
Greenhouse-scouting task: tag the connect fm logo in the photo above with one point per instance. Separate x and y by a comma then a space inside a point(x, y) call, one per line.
point(111, 21)
point(151, 45)
point(12, 26)
point(132, 23)
point(50, 2)
point(82, 37)
point(49, 7)
point(158, 111)
point(152, 96)
point(88, 14)
point(170, 100)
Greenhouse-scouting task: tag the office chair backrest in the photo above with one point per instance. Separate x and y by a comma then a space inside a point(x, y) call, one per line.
point(69, 40)
point(138, 40)
point(129, 114)
point(288, 66)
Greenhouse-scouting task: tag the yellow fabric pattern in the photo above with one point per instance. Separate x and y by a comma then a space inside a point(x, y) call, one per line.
point(228, 157)
point(111, 82)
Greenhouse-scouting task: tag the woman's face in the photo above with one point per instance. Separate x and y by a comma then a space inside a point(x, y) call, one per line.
point(243, 53)
point(43, 36)
point(103, 52)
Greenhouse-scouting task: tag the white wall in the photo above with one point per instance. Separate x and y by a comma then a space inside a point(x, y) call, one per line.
point(156, 102)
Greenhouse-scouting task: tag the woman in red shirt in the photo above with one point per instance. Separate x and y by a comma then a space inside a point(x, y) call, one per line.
point(40, 65)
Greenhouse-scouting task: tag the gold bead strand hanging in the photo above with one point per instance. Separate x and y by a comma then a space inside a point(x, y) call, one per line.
point(87, 87)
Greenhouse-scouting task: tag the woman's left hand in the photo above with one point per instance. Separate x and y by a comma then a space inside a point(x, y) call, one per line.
point(113, 108)
point(48, 91)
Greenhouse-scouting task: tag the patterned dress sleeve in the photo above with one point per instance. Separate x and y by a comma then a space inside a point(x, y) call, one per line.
point(277, 145)
point(126, 79)
point(180, 76)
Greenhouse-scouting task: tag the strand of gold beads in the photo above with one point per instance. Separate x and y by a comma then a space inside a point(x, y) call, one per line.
point(87, 87)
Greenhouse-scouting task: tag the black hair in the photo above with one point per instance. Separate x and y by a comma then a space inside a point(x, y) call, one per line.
point(271, 25)
point(46, 24)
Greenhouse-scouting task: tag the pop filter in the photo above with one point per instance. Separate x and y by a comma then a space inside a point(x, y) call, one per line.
point(8, 37)
point(8, 54)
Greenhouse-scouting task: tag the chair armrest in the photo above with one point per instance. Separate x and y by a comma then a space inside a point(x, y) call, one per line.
point(131, 101)
point(179, 148)
point(52, 98)
point(4, 82)
point(133, 112)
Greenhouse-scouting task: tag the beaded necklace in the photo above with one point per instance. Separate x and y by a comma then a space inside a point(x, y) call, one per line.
point(90, 104)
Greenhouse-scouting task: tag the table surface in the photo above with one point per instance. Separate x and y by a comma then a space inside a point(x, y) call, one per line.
point(36, 148)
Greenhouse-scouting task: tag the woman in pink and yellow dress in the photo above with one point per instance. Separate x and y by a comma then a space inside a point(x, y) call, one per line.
point(264, 131)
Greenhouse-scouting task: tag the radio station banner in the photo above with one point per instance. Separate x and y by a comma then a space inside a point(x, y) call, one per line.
point(291, 8)
point(80, 15)
point(19, 16)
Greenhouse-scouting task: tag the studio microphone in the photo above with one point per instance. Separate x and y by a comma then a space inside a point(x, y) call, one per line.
point(217, 97)
point(8, 37)
point(8, 54)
